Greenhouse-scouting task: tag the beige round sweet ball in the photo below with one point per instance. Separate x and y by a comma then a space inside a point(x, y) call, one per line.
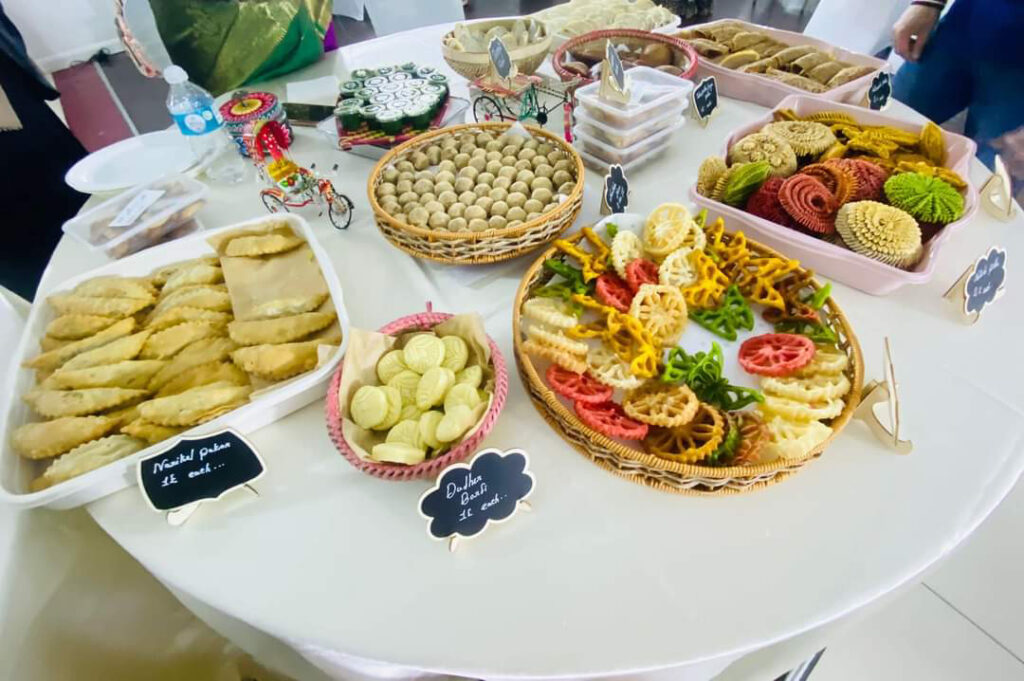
point(560, 177)
point(422, 186)
point(544, 149)
point(533, 206)
point(493, 156)
point(519, 186)
point(390, 174)
point(390, 206)
point(525, 176)
point(501, 182)
point(484, 202)
point(448, 153)
point(478, 162)
point(475, 212)
point(386, 189)
point(405, 166)
point(562, 164)
point(458, 225)
point(515, 213)
point(442, 187)
point(460, 160)
point(566, 188)
point(516, 199)
point(420, 160)
point(498, 194)
point(469, 171)
point(497, 222)
point(407, 197)
point(467, 197)
point(467, 148)
point(493, 167)
point(531, 144)
point(513, 223)
point(427, 197)
point(483, 138)
point(526, 154)
point(498, 208)
point(542, 195)
point(423, 175)
point(448, 198)
point(433, 154)
point(482, 189)
point(438, 220)
point(541, 183)
point(434, 207)
point(532, 216)
point(485, 178)
point(444, 176)
point(403, 186)
point(507, 171)
point(464, 184)
point(509, 160)
point(447, 166)
point(493, 145)
point(522, 164)
point(418, 216)
point(544, 170)
point(478, 225)
point(456, 210)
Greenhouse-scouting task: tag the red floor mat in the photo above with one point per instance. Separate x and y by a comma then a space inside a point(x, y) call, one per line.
point(89, 109)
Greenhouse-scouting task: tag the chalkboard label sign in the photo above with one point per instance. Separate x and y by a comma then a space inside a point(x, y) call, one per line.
point(467, 497)
point(615, 66)
point(986, 282)
point(880, 91)
point(616, 190)
point(198, 469)
point(704, 98)
point(500, 58)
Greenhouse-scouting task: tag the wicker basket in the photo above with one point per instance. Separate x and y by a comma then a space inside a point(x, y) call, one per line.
point(685, 57)
point(426, 469)
point(472, 65)
point(475, 248)
point(651, 470)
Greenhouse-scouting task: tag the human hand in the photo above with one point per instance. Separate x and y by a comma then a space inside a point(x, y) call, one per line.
point(912, 29)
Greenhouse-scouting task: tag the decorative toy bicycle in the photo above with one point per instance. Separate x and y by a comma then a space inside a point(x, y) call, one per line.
point(518, 99)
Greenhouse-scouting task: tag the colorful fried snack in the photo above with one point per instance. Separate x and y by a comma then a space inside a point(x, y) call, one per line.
point(765, 203)
point(870, 177)
point(612, 291)
point(792, 440)
point(711, 169)
point(677, 269)
point(626, 247)
point(606, 367)
point(689, 443)
point(775, 354)
point(761, 146)
point(944, 174)
point(661, 309)
point(931, 144)
point(809, 203)
point(925, 197)
point(836, 179)
point(661, 404)
point(880, 232)
point(608, 418)
point(552, 311)
point(742, 181)
point(87, 457)
point(807, 138)
point(559, 356)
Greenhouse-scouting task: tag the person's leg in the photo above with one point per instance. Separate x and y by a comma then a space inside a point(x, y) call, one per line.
point(940, 84)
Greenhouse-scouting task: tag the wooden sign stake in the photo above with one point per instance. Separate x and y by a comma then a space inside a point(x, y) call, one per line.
point(876, 392)
point(617, 186)
point(614, 87)
point(497, 52)
point(969, 301)
point(179, 516)
point(996, 194)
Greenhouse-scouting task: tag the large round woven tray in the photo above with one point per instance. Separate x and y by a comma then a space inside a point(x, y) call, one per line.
point(647, 469)
point(470, 65)
point(684, 56)
point(475, 248)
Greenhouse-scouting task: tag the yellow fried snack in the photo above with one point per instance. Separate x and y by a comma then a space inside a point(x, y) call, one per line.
point(204, 374)
point(59, 356)
point(169, 342)
point(676, 269)
point(661, 404)
point(211, 297)
point(556, 339)
point(55, 403)
point(124, 415)
point(626, 248)
point(689, 443)
point(607, 368)
point(200, 352)
point(118, 350)
point(50, 438)
point(196, 275)
point(179, 315)
point(931, 144)
point(87, 457)
point(277, 362)
point(758, 277)
point(263, 244)
point(282, 307)
point(711, 283)
point(150, 432)
point(160, 276)
point(196, 405)
point(591, 265)
point(47, 343)
point(661, 310)
point(792, 440)
point(134, 374)
point(116, 287)
point(279, 330)
point(77, 326)
point(65, 303)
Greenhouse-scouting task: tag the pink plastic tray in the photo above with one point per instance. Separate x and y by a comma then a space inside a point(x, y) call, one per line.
point(429, 468)
point(752, 87)
point(841, 264)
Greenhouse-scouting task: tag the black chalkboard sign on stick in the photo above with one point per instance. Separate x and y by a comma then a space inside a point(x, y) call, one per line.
point(704, 99)
point(502, 67)
point(468, 497)
point(878, 392)
point(192, 470)
point(615, 193)
point(880, 91)
point(979, 286)
point(613, 77)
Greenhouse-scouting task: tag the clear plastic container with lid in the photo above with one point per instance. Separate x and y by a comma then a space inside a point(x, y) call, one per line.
point(601, 155)
point(140, 217)
point(626, 137)
point(653, 94)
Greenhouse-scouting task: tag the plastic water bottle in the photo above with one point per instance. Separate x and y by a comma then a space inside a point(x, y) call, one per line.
point(193, 110)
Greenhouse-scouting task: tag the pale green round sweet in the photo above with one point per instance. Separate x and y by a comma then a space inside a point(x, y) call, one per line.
point(428, 428)
point(398, 452)
point(473, 376)
point(369, 407)
point(410, 412)
point(433, 386)
point(394, 400)
point(454, 424)
point(407, 432)
point(423, 352)
point(406, 382)
point(390, 364)
point(456, 353)
point(461, 394)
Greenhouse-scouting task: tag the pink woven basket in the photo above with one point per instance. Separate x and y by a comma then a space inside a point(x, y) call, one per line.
point(427, 469)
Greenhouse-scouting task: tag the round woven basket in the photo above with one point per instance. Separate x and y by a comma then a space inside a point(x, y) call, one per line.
point(684, 56)
point(475, 248)
point(647, 469)
point(472, 65)
point(424, 321)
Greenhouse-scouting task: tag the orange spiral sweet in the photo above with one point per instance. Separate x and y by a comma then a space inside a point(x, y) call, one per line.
point(809, 203)
point(870, 177)
point(841, 182)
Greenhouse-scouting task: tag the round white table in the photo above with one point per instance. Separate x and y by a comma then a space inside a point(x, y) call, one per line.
point(605, 576)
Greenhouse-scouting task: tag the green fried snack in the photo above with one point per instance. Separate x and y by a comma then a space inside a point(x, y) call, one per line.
point(927, 198)
point(744, 179)
point(734, 313)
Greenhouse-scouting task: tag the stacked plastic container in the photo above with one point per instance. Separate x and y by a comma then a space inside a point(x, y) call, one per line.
point(608, 132)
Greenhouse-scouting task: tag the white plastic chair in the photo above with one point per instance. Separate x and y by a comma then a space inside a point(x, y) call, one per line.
point(392, 16)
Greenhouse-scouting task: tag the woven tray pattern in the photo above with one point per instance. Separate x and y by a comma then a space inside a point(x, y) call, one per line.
point(686, 56)
point(647, 469)
point(429, 468)
point(475, 248)
point(470, 65)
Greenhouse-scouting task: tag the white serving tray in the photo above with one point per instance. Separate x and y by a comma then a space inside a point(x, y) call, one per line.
point(16, 472)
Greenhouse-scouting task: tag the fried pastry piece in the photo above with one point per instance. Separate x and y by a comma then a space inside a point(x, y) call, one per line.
point(279, 330)
point(160, 276)
point(87, 457)
point(738, 59)
point(124, 415)
point(204, 374)
point(277, 362)
point(200, 352)
point(169, 342)
point(746, 39)
point(152, 433)
point(178, 315)
point(134, 374)
point(196, 405)
point(70, 303)
point(759, 66)
point(795, 80)
point(50, 438)
point(791, 54)
point(59, 356)
point(208, 297)
point(119, 350)
point(117, 287)
point(197, 275)
point(329, 336)
point(773, 49)
point(848, 74)
point(282, 307)
point(263, 244)
point(55, 403)
point(804, 64)
point(823, 72)
point(709, 48)
point(47, 343)
point(77, 326)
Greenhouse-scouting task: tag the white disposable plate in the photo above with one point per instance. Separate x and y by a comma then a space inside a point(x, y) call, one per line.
point(16, 472)
point(136, 160)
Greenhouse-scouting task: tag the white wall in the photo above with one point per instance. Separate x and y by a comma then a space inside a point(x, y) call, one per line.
point(58, 32)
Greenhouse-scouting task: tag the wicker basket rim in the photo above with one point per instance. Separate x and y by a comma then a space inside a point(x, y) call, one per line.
point(837, 424)
point(521, 52)
point(681, 45)
point(438, 235)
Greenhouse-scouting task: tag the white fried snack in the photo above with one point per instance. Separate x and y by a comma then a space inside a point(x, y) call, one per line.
point(87, 457)
point(170, 341)
point(194, 406)
point(119, 350)
point(51, 438)
point(104, 307)
point(280, 330)
point(134, 374)
point(184, 313)
point(117, 287)
point(197, 275)
point(56, 358)
point(77, 326)
point(277, 362)
point(200, 352)
point(54, 403)
point(204, 374)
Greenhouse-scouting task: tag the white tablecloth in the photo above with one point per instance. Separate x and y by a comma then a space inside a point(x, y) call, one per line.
point(604, 577)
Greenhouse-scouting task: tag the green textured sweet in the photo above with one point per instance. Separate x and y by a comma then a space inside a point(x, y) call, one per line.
point(734, 313)
point(723, 455)
point(744, 180)
point(927, 198)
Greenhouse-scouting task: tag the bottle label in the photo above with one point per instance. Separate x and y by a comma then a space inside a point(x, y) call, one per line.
point(198, 122)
